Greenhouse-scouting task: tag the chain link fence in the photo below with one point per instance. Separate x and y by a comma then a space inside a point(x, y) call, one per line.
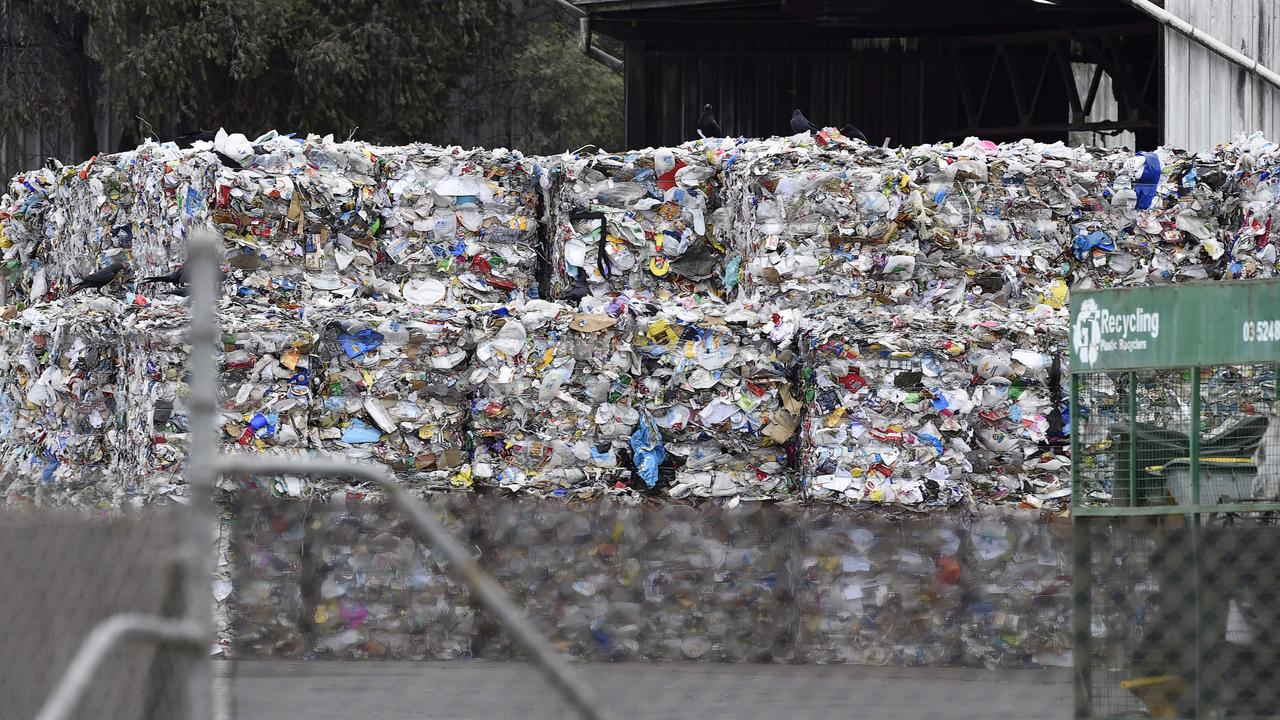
point(67, 572)
point(1176, 578)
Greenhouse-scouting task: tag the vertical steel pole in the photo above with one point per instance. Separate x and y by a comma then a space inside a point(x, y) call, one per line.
point(1082, 608)
point(1133, 439)
point(202, 268)
point(1074, 419)
point(1197, 573)
point(1193, 453)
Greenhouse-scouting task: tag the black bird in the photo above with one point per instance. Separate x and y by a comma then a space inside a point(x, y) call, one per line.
point(851, 131)
point(707, 125)
point(99, 279)
point(227, 160)
point(185, 139)
point(177, 277)
point(800, 123)
point(180, 291)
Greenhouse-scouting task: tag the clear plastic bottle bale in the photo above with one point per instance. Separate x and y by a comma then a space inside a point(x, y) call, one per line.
point(392, 385)
point(60, 412)
point(717, 384)
point(643, 220)
point(553, 403)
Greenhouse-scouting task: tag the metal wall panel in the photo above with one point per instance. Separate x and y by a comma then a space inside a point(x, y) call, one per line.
point(1209, 100)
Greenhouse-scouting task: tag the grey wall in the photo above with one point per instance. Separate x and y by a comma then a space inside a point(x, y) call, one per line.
point(1207, 99)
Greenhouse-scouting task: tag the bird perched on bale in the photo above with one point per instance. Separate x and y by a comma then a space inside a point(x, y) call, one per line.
point(800, 123)
point(707, 125)
point(99, 279)
point(177, 277)
point(851, 131)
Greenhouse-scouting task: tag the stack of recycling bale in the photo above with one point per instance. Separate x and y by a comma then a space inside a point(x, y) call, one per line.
point(60, 407)
point(297, 216)
point(639, 221)
point(754, 583)
point(393, 385)
point(553, 408)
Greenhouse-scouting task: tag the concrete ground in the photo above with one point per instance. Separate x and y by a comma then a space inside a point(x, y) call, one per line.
point(466, 690)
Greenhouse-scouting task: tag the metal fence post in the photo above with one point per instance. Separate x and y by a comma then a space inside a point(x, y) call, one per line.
point(1197, 571)
point(1133, 439)
point(202, 258)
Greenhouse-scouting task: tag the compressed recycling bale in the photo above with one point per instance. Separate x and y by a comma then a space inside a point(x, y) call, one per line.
point(658, 209)
point(376, 592)
point(554, 397)
point(716, 389)
point(266, 377)
point(60, 407)
point(298, 217)
point(155, 393)
point(815, 218)
point(942, 589)
point(919, 409)
point(264, 603)
point(393, 386)
point(460, 225)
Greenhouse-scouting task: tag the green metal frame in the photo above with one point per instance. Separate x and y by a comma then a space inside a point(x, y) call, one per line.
point(1191, 326)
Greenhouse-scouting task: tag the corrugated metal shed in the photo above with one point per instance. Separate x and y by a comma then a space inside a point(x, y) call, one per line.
point(1207, 99)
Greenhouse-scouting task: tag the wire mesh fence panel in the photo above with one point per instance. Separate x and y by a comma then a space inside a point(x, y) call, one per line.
point(1176, 579)
point(1182, 616)
point(1138, 420)
point(64, 573)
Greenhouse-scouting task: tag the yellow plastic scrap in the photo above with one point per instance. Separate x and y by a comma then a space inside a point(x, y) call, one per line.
point(1159, 693)
point(660, 333)
point(547, 357)
point(463, 478)
point(1057, 297)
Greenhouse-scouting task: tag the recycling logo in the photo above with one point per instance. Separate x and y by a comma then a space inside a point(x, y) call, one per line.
point(1086, 334)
